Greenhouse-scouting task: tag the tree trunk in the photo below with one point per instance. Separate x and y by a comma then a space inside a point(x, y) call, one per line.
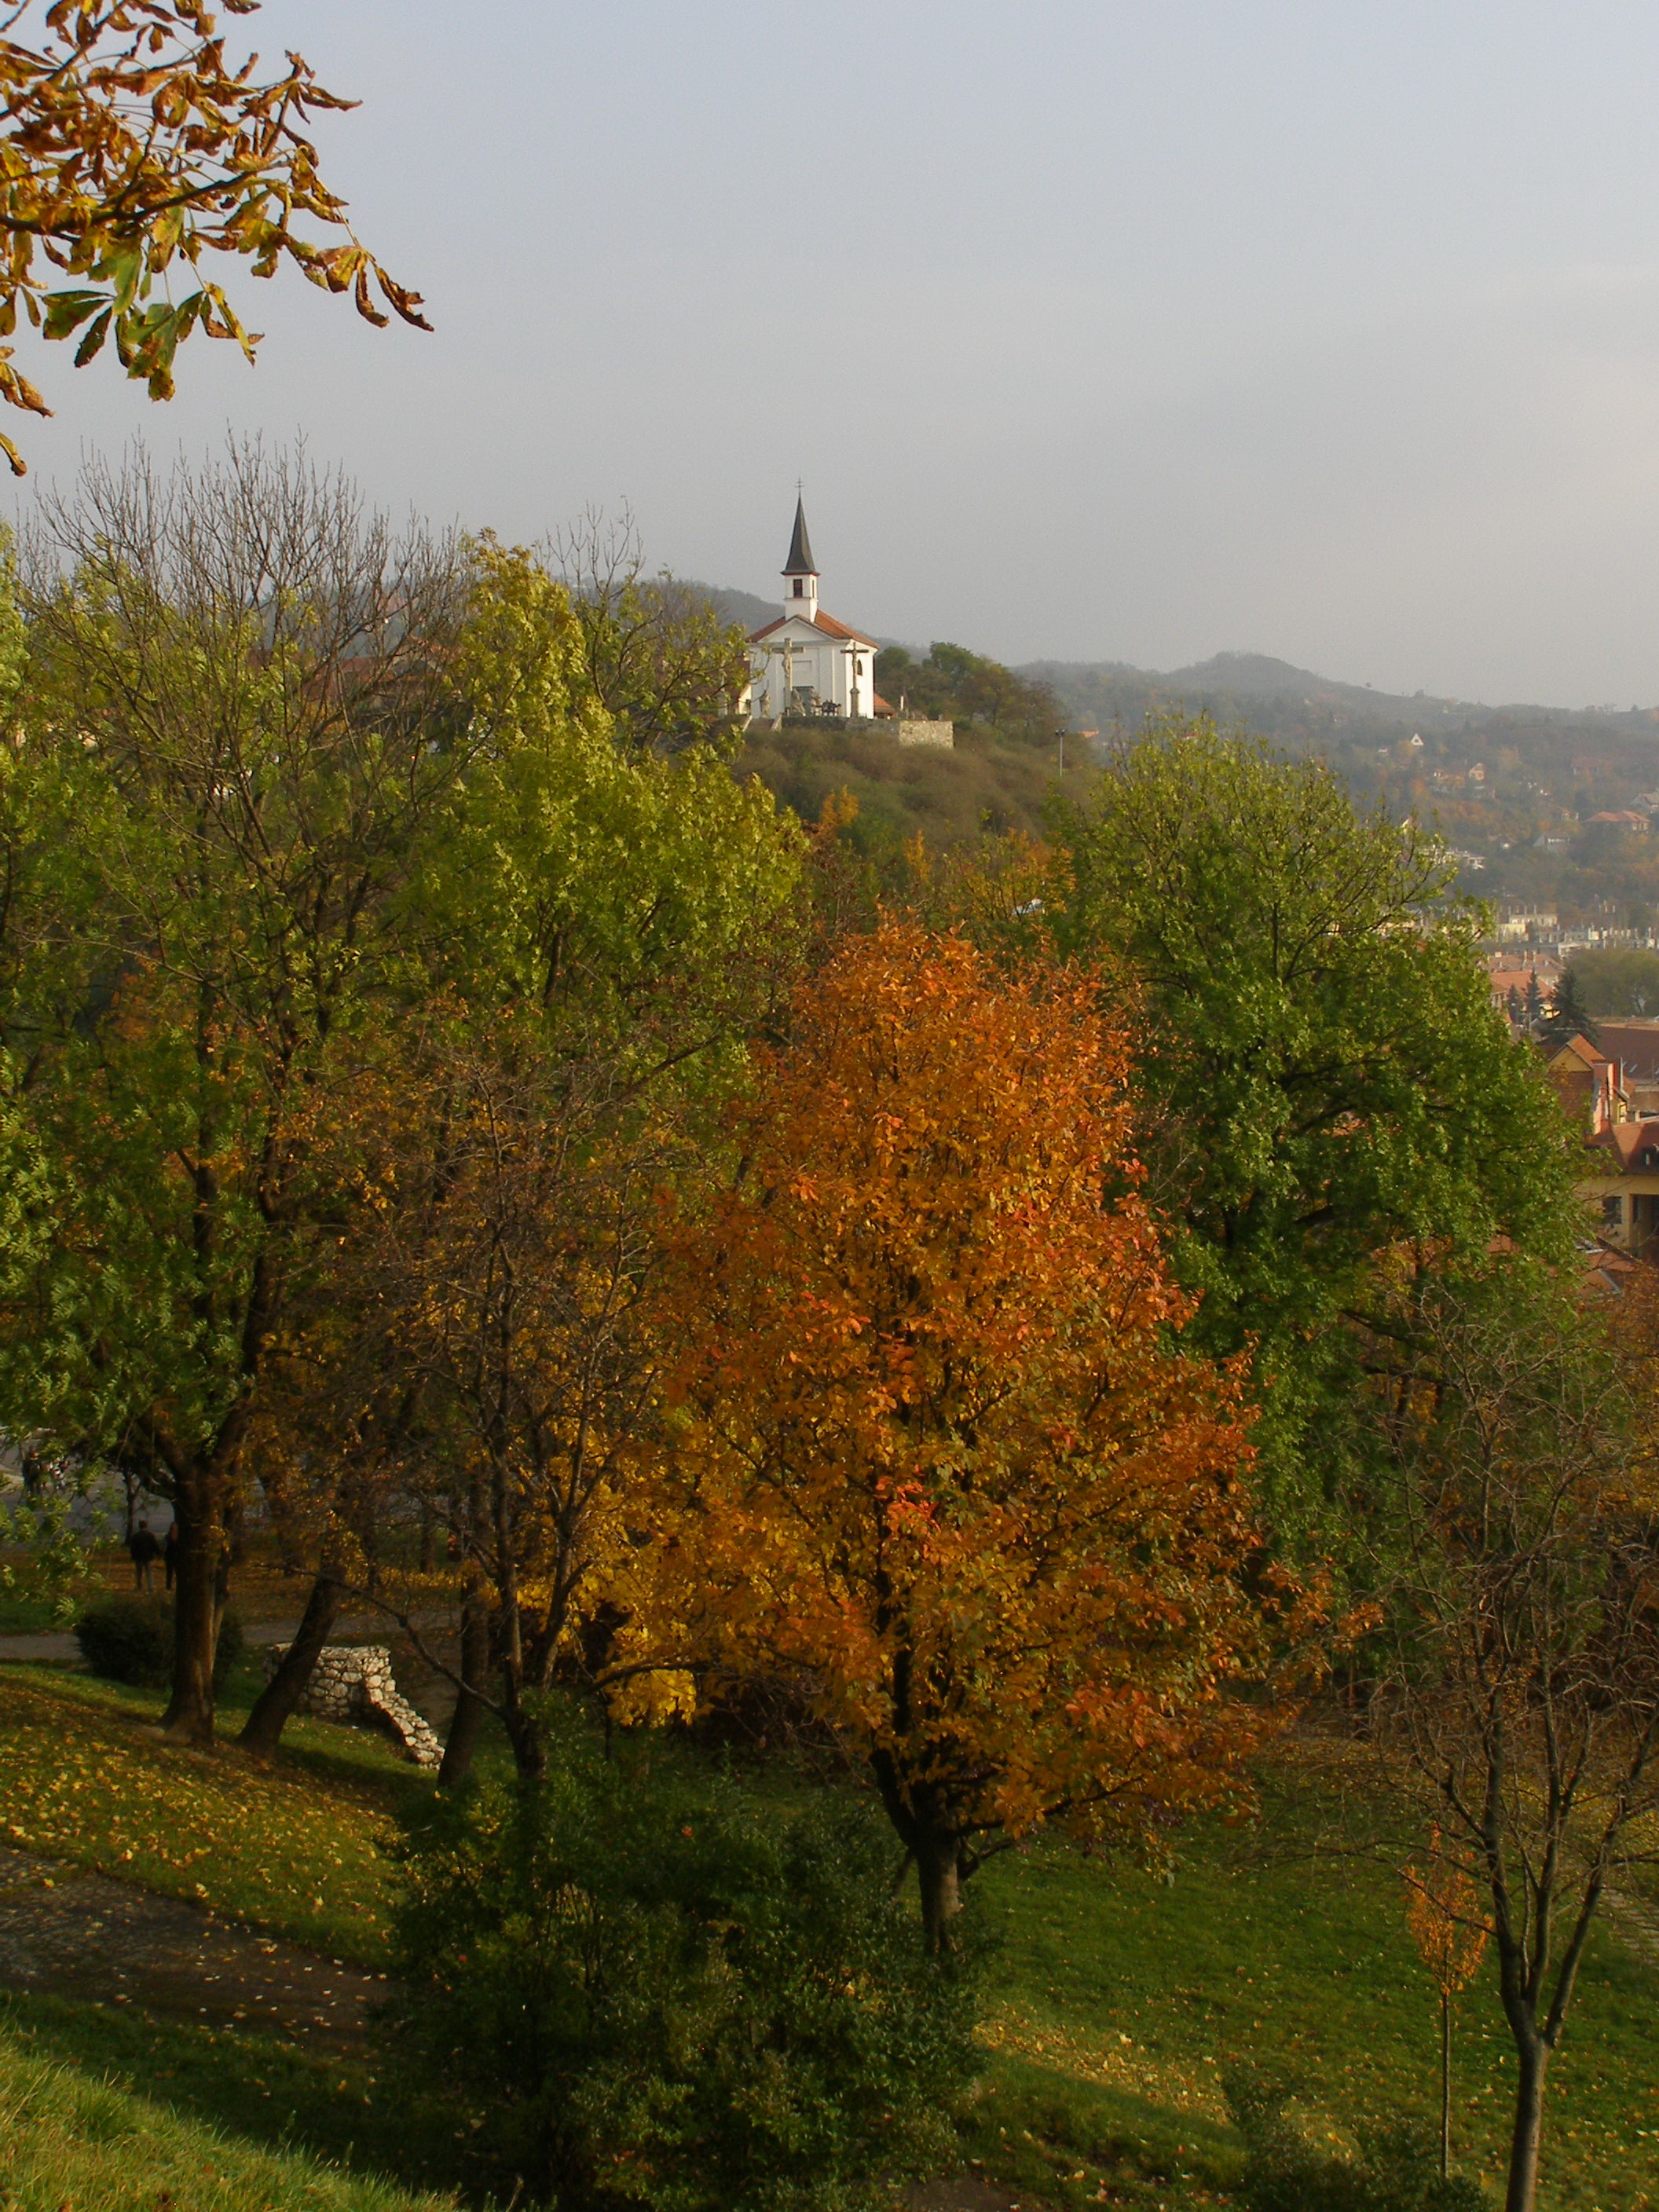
point(529, 1751)
point(465, 1728)
point(189, 1715)
point(1445, 2083)
point(941, 1893)
point(275, 1704)
point(1522, 2191)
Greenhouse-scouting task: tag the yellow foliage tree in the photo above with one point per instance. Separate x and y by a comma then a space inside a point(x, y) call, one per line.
point(1449, 1926)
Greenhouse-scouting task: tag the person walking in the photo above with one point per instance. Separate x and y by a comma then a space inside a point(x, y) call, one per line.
point(144, 1551)
point(170, 1552)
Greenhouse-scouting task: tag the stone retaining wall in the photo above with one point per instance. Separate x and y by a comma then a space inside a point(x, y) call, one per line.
point(353, 1682)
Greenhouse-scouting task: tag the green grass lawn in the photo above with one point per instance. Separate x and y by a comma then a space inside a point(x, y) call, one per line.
point(1118, 2000)
point(1268, 1949)
point(298, 1847)
point(71, 2139)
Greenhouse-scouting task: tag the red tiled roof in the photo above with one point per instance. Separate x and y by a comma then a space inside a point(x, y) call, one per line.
point(1636, 1045)
point(840, 629)
point(1634, 1144)
point(827, 624)
point(1581, 1049)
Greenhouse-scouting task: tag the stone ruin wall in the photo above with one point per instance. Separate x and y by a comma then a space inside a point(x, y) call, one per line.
point(353, 1683)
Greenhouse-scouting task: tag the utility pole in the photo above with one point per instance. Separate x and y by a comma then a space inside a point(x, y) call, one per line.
point(1061, 734)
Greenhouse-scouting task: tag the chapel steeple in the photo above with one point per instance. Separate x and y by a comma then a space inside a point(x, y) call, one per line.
point(804, 663)
point(800, 570)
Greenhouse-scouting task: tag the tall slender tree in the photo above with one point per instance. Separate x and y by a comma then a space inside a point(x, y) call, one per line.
point(1517, 1688)
point(1569, 1015)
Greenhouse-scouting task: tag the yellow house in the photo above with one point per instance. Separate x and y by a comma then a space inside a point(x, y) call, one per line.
point(1622, 1177)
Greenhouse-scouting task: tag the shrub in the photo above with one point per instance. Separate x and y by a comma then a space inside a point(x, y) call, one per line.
point(1297, 2164)
point(129, 1639)
point(651, 1993)
point(42, 1560)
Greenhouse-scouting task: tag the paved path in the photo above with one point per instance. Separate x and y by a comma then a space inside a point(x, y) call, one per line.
point(58, 1648)
point(53, 1650)
point(79, 1934)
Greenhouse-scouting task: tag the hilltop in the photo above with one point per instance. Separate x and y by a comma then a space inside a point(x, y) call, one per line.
point(1275, 696)
point(1279, 693)
point(1515, 789)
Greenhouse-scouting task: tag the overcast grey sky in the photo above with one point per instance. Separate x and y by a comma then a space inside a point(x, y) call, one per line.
point(1326, 328)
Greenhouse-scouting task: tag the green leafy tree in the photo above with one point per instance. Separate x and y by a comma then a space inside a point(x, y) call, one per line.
point(605, 925)
point(240, 729)
point(1329, 1095)
point(1618, 983)
point(43, 1559)
point(1569, 1015)
point(954, 685)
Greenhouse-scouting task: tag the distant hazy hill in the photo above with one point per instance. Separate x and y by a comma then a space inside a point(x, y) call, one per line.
point(1530, 799)
point(1279, 699)
point(1305, 711)
point(1240, 686)
point(744, 608)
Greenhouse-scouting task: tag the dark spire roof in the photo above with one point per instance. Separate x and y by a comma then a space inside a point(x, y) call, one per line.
point(800, 561)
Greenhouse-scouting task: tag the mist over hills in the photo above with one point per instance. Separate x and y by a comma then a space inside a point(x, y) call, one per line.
point(1547, 807)
point(747, 609)
point(1274, 697)
point(1280, 698)
point(1241, 678)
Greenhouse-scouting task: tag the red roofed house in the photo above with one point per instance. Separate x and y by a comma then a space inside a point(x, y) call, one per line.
point(1620, 1171)
point(1635, 1045)
point(806, 662)
point(1590, 1084)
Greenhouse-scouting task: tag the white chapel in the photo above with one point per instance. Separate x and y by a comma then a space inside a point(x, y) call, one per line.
point(806, 662)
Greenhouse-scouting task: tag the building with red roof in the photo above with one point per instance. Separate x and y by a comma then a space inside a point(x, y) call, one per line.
point(806, 662)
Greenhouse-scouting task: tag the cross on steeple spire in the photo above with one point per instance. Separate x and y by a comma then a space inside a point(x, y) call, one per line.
point(800, 561)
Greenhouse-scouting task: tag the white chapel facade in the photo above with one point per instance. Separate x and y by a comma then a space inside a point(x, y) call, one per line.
point(807, 663)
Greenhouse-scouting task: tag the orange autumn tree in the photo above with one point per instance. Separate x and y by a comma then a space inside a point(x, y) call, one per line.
point(1449, 1925)
point(940, 1463)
